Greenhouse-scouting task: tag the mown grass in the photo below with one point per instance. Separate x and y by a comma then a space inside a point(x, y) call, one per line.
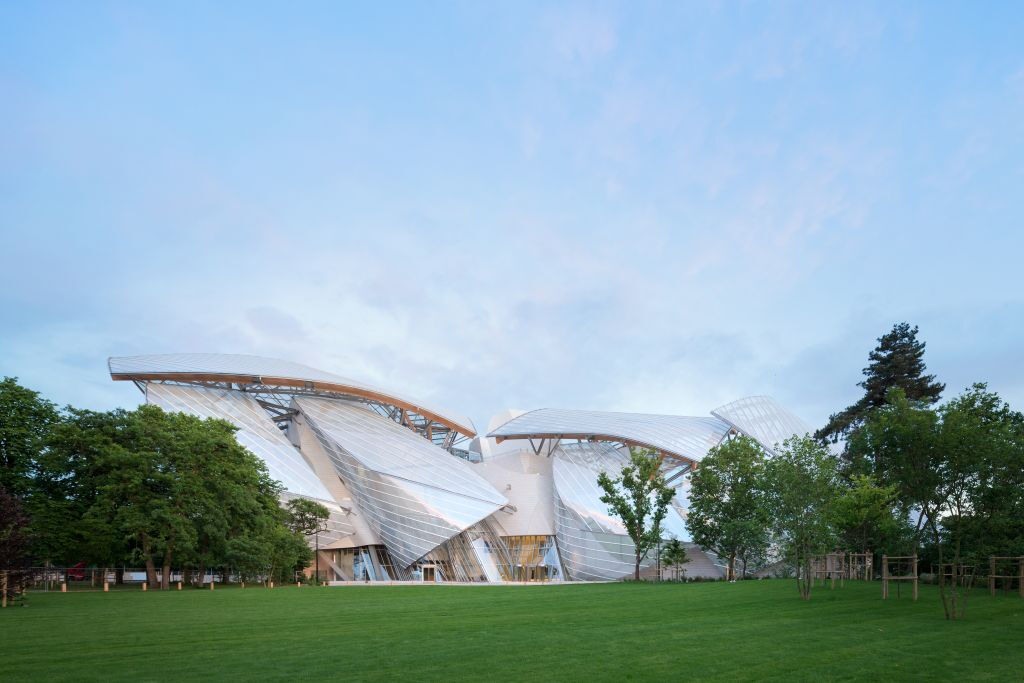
point(745, 631)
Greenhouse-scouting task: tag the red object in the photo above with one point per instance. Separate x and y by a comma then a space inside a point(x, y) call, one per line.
point(76, 573)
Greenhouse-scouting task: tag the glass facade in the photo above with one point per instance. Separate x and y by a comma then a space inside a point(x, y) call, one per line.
point(532, 558)
point(412, 503)
point(685, 437)
point(762, 419)
point(414, 495)
point(594, 545)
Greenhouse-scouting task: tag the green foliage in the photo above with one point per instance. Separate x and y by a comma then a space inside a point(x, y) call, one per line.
point(164, 489)
point(25, 421)
point(249, 556)
point(896, 446)
point(897, 361)
point(729, 510)
point(674, 555)
point(958, 471)
point(70, 474)
point(289, 552)
point(804, 486)
point(14, 544)
point(307, 516)
point(868, 516)
point(640, 498)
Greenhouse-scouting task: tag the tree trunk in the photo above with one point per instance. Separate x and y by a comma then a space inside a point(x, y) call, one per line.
point(808, 578)
point(796, 572)
point(732, 566)
point(942, 582)
point(165, 578)
point(958, 595)
point(636, 568)
point(150, 565)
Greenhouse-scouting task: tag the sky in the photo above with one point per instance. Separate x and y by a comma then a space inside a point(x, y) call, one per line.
point(625, 206)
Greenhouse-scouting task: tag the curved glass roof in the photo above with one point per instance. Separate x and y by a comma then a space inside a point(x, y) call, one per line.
point(688, 438)
point(256, 431)
point(762, 419)
point(223, 367)
point(415, 495)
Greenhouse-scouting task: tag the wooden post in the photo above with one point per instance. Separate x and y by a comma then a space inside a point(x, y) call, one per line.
point(992, 575)
point(914, 564)
point(270, 584)
point(179, 585)
point(1020, 576)
point(885, 577)
point(64, 587)
point(106, 586)
point(243, 584)
point(299, 584)
point(211, 583)
point(3, 589)
point(145, 586)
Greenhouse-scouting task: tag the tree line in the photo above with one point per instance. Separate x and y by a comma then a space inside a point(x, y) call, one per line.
point(140, 488)
point(897, 472)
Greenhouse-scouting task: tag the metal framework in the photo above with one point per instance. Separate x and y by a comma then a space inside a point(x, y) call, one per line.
point(681, 440)
point(274, 382)
point(276, 400)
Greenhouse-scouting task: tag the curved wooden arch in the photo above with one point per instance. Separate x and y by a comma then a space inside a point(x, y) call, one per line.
point(332, 387)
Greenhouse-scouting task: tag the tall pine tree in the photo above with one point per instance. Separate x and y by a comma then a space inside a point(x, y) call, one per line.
point(897, 361)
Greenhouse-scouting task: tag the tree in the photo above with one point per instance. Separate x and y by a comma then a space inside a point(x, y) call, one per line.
point(673, 554)
point(803, 485)
point(308, 517)
point(868, 515)
point(728, 510)
point(897, 361)
point(25, 421)
point(896, 445)
point(14, 544)
point(289, 552)
point(958, 473)
point(249, 556)
point(640, 498)
point(69, 475)
point(978, 436)
point(162, 488)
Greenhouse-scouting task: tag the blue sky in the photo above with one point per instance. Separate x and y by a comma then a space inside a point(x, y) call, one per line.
point(631, 206)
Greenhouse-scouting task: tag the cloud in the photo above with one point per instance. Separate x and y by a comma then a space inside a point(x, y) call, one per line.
point(574, 208)
point(581, 33)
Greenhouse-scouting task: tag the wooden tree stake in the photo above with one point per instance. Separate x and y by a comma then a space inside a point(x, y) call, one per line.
point(915, 576)
point(885, 577)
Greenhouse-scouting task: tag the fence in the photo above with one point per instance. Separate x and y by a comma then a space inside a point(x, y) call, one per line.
point(76, 579)
point(1009, 569)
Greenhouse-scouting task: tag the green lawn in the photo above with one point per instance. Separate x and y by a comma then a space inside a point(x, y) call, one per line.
point(750, 630)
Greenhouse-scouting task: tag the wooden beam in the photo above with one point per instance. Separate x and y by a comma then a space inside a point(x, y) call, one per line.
point(332, 387)
point(602, 437)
